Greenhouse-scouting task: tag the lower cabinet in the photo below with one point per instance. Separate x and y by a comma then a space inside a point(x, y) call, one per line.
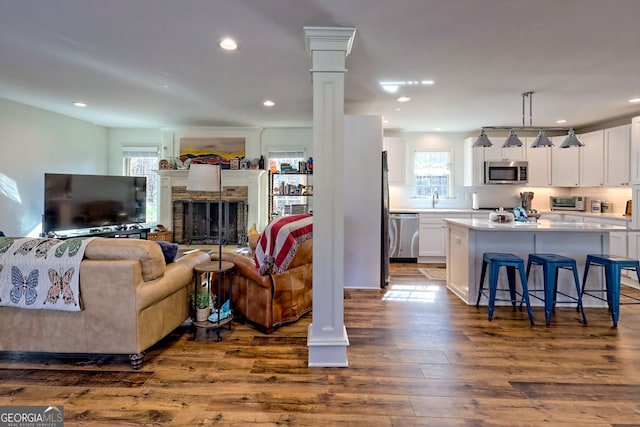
point(432, 237)
point(618, 242)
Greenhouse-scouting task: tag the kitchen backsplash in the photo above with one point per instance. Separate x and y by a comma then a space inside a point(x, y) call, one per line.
point(508, 196)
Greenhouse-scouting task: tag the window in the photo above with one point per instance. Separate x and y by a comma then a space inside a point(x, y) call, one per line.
point(143, 161)
point(432, 172)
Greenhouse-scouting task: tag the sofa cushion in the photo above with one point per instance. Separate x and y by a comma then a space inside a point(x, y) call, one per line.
point(146, 251)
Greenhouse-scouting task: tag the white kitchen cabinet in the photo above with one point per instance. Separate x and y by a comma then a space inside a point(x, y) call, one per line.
point(565, 164)
point(498, 152)
point(473, 164)
point(635, 151)
point(539, 164)
point(617, 241)
point(396, 159)
point(591, 158)
point(432, 234)
point(617, 156)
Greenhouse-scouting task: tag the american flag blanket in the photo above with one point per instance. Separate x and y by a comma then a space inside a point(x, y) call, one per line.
point(279, 241)
point(41, 273)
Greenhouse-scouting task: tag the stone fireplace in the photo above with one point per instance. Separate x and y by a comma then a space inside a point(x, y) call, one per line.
point(192, 216)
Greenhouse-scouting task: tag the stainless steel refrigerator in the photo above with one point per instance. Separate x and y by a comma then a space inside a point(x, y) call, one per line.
point(384, 252)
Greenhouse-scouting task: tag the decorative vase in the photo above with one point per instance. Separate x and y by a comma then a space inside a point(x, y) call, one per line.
point(202, 314)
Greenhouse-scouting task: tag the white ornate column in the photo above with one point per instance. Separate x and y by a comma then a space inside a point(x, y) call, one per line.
point(327, 336)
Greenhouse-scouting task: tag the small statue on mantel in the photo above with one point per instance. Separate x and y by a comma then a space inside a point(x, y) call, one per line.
point(182, 165)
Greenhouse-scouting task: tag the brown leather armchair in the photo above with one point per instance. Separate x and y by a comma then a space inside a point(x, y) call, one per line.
point(271, 300)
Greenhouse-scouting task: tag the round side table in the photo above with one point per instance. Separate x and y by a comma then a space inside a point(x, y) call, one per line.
point(220, 288)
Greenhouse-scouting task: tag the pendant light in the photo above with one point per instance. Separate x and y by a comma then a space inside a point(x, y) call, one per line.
point(483, 140)
point(542, 140)
point(571, 140)
point(512, 140)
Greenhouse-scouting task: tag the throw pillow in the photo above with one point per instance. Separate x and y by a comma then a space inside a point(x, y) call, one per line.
point(169, 250)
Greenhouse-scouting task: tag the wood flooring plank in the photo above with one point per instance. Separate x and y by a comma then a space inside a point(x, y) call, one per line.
point(418, 356)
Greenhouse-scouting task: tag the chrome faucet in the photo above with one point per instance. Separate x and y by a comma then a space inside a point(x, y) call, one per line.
point(435, 198)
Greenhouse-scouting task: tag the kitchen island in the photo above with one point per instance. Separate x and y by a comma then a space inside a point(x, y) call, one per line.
point(468, 239)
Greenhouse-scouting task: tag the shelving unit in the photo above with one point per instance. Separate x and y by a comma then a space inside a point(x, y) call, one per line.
point(290, 193)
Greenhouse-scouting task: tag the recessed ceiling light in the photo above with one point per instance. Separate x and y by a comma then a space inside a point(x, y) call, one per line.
point(268, 103)
point(228, 44)
point(393, 86)
point(561, 121)
point(634, 100)
point(80, 104)
point(404, 99)
point(437, 129)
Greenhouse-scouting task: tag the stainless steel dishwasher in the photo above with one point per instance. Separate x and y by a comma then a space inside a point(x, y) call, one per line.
point(403, 237)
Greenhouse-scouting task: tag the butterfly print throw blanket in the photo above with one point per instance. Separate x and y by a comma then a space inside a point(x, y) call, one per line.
point(41, 273)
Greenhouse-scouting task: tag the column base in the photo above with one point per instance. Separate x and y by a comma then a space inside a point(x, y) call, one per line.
point(328, 352)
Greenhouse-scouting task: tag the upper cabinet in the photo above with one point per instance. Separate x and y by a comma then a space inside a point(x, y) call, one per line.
point(591, 158)
point(498, 152)
point(396, 155)
point(473, 163)
point(565, 170)
point(539, 164)
point(635, 150)
point(617, 155)
point(609, 157)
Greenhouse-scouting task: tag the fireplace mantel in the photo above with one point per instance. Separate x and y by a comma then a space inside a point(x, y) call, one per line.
point(255, 180)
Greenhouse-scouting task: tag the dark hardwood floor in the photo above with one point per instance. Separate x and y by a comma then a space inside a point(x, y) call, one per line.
point(418, 357)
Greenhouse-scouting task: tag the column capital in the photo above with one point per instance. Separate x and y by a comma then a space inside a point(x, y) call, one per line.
point(329, 38)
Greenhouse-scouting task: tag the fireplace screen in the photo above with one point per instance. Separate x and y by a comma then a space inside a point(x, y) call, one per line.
point(197, 222)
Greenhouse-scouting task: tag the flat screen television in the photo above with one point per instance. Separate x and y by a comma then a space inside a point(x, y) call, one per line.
point(73, 202)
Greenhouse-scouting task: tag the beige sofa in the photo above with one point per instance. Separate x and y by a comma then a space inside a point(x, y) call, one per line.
point(131, 300)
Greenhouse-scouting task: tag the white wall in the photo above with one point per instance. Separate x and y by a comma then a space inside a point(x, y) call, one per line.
point(402, 196)
point(121, 137)
point(362, 201)
point(278, 138)
point(35, 141)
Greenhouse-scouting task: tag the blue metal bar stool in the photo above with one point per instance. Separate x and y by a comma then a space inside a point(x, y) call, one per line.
point(550, 264)
point(496, 260)
point(613, 266)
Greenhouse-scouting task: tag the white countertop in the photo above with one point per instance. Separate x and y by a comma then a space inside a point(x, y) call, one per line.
point(487, 211)
point(542, 226)
point(436, 210)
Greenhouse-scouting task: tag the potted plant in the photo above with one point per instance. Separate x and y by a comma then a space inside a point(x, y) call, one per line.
point(204, 301)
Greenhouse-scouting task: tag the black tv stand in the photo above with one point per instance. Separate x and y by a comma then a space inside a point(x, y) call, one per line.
point(131, 233)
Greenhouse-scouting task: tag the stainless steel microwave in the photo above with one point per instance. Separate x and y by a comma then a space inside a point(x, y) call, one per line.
point(506, 172)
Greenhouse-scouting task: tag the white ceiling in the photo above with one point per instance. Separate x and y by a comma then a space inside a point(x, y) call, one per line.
point(580, 57)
